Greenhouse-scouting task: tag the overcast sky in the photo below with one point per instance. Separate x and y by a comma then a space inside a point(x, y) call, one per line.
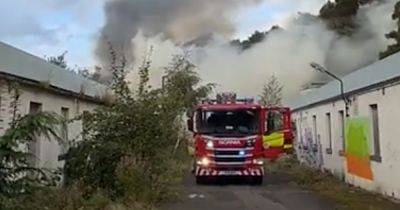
point(50, 27)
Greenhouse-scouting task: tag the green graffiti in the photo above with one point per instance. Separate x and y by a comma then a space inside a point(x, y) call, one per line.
point(358, 136)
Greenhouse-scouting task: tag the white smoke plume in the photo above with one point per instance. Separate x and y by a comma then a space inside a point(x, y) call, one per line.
point(288, 53)
point(285, 53)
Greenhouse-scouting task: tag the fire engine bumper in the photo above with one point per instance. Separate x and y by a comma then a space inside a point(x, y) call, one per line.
point(200, 171)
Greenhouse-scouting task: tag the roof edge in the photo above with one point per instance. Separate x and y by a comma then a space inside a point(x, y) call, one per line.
point(383, 84)
point(50, 88)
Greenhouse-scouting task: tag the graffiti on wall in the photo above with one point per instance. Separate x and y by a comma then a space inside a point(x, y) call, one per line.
point(357, 146)
point(308, 146)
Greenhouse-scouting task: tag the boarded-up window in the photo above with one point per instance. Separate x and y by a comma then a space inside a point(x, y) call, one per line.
point(64, 129)
point(315, 129)
point(329, 132)
point(342, 130)
point(375, 146)
point(34, 144)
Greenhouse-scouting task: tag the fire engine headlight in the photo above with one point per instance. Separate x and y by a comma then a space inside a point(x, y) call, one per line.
point(242, 153)
point(258, 161)
point(210, 145)
point(203, 162)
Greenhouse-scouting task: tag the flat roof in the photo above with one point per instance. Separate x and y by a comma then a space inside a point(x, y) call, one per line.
point(21, 64)
point(232, 106)
point(375, 74)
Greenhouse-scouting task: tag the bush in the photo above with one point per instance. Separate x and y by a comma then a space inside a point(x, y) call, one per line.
point(130, 149)
point(17, 175)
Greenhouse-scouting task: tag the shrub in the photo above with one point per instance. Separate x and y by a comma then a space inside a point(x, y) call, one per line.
point(130, 149)
point(17, 176)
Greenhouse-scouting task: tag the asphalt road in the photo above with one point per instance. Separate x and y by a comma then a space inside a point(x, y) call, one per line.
point(277, 193)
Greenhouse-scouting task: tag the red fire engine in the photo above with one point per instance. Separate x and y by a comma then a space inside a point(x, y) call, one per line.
point(230, 138)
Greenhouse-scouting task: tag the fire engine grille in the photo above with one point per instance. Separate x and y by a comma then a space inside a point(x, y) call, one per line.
point(234, 152)
point(230, 159)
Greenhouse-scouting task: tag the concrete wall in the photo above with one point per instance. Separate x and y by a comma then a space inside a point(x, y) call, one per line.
point(47, 151)
point(312, 142)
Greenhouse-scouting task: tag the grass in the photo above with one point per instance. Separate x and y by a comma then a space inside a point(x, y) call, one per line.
point(72, 198)
point(328, 186)
point(139, 196)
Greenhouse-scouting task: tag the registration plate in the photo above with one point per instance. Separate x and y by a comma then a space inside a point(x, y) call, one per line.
point(230, 173)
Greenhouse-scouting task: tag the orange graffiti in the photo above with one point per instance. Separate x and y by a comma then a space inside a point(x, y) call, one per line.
point(359, 166)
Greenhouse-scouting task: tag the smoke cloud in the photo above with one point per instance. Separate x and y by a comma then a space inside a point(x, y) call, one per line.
point(180, 21)
point(287, 53)
point(284, 53)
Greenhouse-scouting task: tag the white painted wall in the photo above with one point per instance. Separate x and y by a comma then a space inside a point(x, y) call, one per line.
point(386, 173)
point(49, 150)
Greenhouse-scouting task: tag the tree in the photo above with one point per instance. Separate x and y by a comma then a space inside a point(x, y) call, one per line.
point(144, 76)
point(59, 61)
point(339, 15)
point(392, 49)
point(182, 84)
point(272, 92)
point(256, 38)
point(128, 146)
point(17, 176)
point(15, 172)
point(340, 8)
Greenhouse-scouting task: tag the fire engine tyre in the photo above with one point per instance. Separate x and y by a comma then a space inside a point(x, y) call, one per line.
point(256, 180)
point(201, 180)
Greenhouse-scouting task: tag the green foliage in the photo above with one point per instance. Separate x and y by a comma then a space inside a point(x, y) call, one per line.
point(71, 198)
point(339, 8)
point(255, 38)
point(118, 69)
point(181, 88)
point(96, 75)
point(16, 174)
point(340, 14)
point(144, 70)
point(13, 90)
point(128, 150)
point(272, 92)
point(395, 35)
point(59, 61)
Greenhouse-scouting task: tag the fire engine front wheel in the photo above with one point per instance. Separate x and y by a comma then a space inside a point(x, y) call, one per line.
point(256, 180)
point(201, 180)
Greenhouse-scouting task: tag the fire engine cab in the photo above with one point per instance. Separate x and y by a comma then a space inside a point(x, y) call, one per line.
point(278, 132)
point(232, 137)
point(228, 139)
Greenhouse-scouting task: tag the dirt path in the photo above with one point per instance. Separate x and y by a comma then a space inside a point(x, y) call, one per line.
point(277, 193)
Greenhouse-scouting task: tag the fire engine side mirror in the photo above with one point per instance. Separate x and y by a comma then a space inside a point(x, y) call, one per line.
point(190, 125)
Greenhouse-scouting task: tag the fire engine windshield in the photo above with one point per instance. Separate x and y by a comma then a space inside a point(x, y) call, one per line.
point(238, 122)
